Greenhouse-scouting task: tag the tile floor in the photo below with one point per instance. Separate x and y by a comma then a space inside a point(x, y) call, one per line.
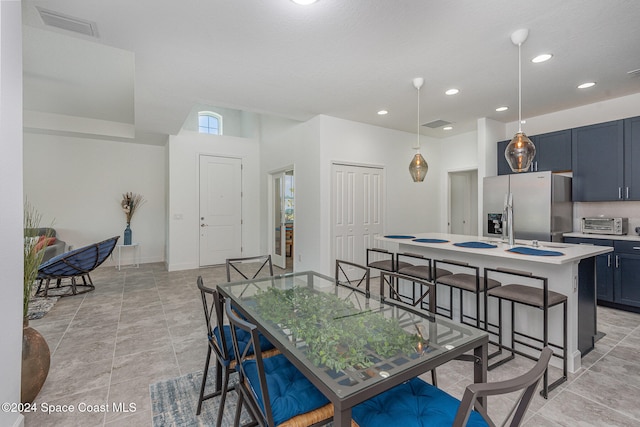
point(144, 325)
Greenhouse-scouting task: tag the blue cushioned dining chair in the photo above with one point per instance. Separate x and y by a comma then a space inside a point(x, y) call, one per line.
point(416, 403)
point(276, 392)
point(220, 343)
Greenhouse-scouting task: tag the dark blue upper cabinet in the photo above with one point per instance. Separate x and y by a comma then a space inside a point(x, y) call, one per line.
point(631, 158)
point(598, 162)
point(553, 151)
point(503, 165)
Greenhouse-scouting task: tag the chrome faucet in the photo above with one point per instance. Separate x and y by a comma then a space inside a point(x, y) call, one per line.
point(507, 219)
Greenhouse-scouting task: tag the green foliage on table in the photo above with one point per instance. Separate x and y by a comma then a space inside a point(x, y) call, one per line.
point(344, 341)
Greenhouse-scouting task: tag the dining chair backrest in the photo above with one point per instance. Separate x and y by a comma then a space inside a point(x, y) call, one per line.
point(353, 275)
point(424, 404)
point(527, 383)
point(422, 291)
point(275, 390)
point(213, 307)
point(247, 268)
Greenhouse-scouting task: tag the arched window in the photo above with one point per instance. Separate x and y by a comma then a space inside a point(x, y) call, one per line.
point(209, 122)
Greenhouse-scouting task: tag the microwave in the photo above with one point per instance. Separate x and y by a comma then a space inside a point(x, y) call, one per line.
point(600, 225)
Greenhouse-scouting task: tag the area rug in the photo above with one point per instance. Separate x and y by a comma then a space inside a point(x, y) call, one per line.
point(174, 402)
point(39, 306)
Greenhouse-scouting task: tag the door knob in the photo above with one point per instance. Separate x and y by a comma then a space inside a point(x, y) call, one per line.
point(203, 225)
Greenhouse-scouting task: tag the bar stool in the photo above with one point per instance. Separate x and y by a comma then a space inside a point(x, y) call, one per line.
point(387, 263)
point(540, 298)
point(465, 282)
point(421, 270)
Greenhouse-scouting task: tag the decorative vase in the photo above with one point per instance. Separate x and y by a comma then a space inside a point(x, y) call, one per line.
point(127, 235)
point(36, 359)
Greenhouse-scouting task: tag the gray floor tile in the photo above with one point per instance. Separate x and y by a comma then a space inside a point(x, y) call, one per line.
point(143, 325)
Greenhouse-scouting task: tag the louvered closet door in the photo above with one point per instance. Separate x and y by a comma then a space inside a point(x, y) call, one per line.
point(356, 210)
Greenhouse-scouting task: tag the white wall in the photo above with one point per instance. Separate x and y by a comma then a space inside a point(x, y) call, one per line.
point(183, 202)
point(457, 153)
point(612, 109)
point(77, 183)
point(11, 195)
point(286, 143)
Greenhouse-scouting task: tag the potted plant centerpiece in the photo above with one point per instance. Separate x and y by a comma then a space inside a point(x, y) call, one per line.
point(36, 356)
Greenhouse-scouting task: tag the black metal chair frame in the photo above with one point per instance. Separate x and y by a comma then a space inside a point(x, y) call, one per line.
point(527, 382)
point(355, 280)
point(392, 280)
point(478, 290)
point(245, 394)
point(213, 306)
point(231, 266)
point(545, 306)
point(47, 270)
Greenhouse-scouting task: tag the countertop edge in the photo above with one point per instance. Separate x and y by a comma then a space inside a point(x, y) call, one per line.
point(624, 237)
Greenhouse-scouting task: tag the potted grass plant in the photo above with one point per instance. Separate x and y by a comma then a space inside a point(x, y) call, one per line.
point(36, 357)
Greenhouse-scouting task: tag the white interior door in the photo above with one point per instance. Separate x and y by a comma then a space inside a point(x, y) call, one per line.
point(357, 202)
point(220, 209)
point(278, 249)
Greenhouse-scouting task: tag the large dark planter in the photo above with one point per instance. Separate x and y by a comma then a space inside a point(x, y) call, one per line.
point(36, 359)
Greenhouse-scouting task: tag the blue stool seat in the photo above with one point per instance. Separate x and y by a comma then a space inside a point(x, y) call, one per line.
point(414, 403)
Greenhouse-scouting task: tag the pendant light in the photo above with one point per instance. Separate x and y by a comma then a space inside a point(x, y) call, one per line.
point(418, 167)
point(520, 151)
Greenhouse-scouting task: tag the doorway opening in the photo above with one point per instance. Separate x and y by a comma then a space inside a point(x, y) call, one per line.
point(463, 202)
point(282, 218)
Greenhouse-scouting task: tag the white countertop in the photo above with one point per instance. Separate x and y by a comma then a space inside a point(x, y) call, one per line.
point(571, 253)
point(627, 237)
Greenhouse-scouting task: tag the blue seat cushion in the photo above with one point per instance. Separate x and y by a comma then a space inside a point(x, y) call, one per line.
point(290, 392)
point(414, 403)
point(243, 340)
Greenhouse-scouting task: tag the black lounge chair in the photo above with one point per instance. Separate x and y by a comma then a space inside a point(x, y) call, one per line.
point(73, 264)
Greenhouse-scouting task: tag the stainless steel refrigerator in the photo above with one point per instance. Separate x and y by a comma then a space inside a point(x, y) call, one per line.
point(542, 207)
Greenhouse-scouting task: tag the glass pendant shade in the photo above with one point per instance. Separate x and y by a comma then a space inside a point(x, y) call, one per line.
point(418, 168)
point(520, 152)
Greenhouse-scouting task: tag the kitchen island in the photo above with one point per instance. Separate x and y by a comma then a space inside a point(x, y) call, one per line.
point(562, 269)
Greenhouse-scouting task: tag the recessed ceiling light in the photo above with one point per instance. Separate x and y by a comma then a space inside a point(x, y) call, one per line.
point(542, 58)
point(586, 85)
point(447, 128)
point(304, 2)
point(500, 109)
point(452, 91)
point(382, 112)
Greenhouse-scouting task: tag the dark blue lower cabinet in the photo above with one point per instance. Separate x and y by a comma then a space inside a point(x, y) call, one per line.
point(604, 277)
point(627, 279)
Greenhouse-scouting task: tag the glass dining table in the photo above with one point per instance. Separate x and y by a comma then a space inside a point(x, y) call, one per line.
point(352, 345)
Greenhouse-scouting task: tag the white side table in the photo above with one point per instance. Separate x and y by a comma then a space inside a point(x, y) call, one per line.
point(136, 255)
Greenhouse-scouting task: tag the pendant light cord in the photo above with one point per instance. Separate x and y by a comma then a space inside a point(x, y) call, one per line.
point(418, 129)
point(519, 88)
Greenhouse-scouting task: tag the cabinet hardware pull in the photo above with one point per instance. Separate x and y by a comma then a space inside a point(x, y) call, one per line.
point(637, 248)
point(627, 193)
point(617, 261)
point(619, 192)
point(609, 260)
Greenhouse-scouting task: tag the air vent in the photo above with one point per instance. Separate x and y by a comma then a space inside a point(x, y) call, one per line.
point(436, 124)
point(634, 73)
point(69, 23)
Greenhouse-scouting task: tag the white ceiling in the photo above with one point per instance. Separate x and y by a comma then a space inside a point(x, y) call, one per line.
point(346, 59)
